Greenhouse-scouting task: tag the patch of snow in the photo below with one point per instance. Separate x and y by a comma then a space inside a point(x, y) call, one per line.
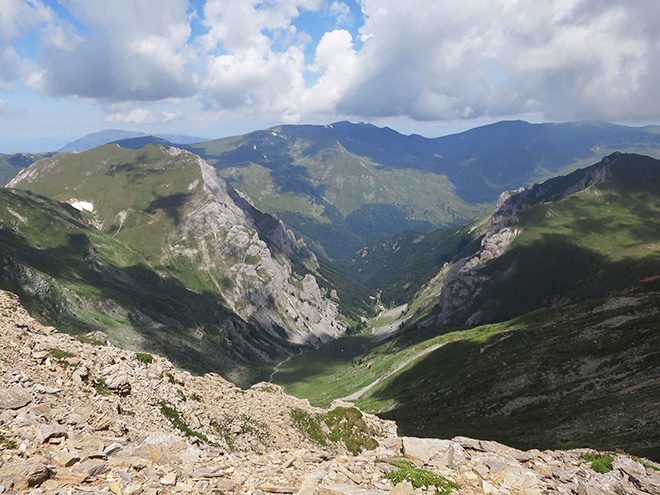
point(82, 205)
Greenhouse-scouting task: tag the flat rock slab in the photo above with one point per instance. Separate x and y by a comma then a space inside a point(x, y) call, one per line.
point(14, 398)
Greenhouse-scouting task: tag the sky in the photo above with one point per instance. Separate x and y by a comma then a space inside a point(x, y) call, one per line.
point(214, 68)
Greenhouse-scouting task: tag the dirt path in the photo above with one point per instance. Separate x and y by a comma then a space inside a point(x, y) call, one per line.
point(364, 390)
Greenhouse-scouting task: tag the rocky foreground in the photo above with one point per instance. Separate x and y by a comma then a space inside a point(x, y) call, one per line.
point(80, 416)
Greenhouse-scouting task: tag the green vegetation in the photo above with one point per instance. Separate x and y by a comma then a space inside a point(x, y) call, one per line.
point(228, 426)
point(342, 424)
point(59, 354)
point(143, 357)
point(175, 418)
point(7, 443)
point(85, 339)
point(419, 477)
point(101, 387)
point(601, 463)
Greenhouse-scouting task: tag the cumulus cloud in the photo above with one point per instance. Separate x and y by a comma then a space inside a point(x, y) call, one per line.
point(566, 58)
point(170, 116)
point(133, 51)
point(18, 18)
point(261, 63)
point(135, 116)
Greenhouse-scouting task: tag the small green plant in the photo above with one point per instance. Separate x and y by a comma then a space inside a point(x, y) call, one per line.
point(182, 395)
point(124, 412)
point(8, 444)
point(59, 354)
point(195, 396)
point(342, 424)
point(175, 418)
point(420, 477)
point(170, 378)
point(309, 424)
point(143, 357)
point(248, 426)
point(101, 387)
point(86, 339)
point(639, 460)
point(601, 463)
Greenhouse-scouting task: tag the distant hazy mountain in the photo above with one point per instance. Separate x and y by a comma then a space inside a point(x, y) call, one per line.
point(111, 135)
point(344, 186)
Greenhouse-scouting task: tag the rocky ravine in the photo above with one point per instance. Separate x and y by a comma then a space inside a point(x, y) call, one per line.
point(87, 417)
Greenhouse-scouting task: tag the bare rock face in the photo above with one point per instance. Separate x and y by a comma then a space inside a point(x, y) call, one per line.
point(464, 281)
point(174, 433)
point(258, 252)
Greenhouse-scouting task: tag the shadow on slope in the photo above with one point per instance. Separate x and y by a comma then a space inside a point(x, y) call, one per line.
point(74, 288)
point(582, 375)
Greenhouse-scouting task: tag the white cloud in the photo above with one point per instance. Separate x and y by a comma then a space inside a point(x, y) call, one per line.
point(136, 116)
point(5, 109)
point(261, 63)
point(133, 51)
point(563, 59)
point(567, 58)
point(341, 12)
point(337, 63)
point(18, 18)
point(170, 116)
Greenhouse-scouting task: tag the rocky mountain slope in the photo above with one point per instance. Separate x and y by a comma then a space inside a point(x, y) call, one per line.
point(82, 416)
point(163, 244)
point(344, 186)
point(590, 233)
point(542, 333)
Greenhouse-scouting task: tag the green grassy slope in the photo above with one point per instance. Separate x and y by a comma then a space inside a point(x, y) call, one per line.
point(11, 164)
point(82, 280)
point(344, 186)
point(583, 375)
point(581, 370)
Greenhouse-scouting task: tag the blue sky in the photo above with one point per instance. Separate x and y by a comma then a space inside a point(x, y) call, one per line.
point(213, 68)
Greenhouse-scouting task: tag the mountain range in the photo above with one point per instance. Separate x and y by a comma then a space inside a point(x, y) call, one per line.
point(155, 248)
point(344, 186)
point(449, 284)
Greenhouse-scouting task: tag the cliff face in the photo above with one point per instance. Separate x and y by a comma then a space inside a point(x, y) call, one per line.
point(78, 415)
point(163, 217)
point(467, 279)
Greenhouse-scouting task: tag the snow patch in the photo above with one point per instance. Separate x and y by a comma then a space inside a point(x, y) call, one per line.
point(82, 205)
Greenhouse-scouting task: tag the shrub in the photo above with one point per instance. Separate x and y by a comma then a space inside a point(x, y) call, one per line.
point(601, 463)
point(420, 477)
point(143, 357)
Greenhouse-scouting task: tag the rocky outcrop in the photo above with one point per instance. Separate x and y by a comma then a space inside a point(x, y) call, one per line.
point(80, 416)
point(183, 233)
point(465, 280)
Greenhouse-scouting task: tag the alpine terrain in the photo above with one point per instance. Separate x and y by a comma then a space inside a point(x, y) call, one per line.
point(153, 247)
point(78, 415)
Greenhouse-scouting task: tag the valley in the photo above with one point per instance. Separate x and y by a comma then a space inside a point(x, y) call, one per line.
point(351, 262)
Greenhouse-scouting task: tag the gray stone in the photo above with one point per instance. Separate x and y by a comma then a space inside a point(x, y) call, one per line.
point(14, 398)
point(403, 488)
point(49, 432)
point(432, 451)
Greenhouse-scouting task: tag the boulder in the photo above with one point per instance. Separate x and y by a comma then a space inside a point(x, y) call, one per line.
point(14, 398)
